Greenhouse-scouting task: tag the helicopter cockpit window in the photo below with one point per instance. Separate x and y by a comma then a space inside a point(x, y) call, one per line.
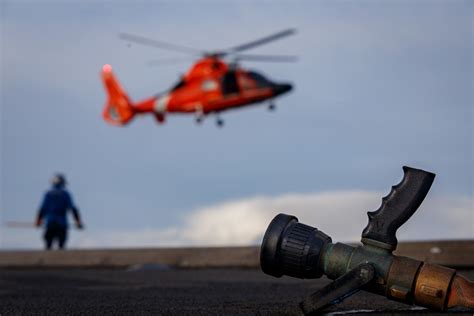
point(245, 83)
point(229, 83)
point(209, 85)
point(260, 80)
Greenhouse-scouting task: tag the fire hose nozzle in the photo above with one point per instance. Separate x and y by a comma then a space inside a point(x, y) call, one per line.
point(295, 249)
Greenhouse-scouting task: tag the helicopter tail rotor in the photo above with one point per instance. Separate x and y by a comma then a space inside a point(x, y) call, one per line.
point(118, 109)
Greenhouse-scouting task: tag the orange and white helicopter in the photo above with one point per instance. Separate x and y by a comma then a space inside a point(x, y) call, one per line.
point(210, 86)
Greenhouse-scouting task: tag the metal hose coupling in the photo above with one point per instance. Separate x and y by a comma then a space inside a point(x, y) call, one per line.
point(295, 249)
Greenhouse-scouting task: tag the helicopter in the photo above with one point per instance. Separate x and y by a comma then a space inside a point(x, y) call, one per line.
point(210, 86)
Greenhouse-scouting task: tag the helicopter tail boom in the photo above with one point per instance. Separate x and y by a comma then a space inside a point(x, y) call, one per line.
point(118, 109)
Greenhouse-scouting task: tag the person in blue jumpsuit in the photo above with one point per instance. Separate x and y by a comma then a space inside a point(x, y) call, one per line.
point(53, 211)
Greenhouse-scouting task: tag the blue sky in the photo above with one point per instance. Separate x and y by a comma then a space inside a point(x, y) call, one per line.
point(377, 86)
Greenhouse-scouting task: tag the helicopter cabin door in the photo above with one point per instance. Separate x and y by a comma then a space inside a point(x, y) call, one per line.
point(229, 83)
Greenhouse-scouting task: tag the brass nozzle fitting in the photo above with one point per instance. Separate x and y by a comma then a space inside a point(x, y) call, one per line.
point(436, 287)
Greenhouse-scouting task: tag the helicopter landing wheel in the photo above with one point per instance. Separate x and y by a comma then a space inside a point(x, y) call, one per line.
point(199, 115)
point(271, 107)
point(219, 122)
point(199, 119)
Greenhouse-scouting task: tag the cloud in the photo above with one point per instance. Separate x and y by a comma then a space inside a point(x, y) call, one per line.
point(340, 214)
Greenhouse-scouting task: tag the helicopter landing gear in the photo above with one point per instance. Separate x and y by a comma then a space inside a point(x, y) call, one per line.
point(199, 116)
point(199, 119)
point(219, 122)
point(271, 107)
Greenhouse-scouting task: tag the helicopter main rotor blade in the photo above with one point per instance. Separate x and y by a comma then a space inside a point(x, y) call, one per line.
point(159, 44)
point(267, 58)
point(261, 41)
point(167, 61)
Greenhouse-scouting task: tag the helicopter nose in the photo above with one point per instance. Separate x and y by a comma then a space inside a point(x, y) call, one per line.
point(282, 88)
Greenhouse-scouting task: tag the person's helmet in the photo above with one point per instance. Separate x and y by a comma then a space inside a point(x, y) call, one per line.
point(58, 180)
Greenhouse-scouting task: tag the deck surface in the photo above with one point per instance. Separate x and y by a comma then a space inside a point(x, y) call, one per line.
point(158, 290)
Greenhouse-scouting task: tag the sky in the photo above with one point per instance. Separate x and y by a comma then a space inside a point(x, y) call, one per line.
point(377, 85)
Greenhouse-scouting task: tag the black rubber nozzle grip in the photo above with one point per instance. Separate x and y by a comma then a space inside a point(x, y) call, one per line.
point(397, 207)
